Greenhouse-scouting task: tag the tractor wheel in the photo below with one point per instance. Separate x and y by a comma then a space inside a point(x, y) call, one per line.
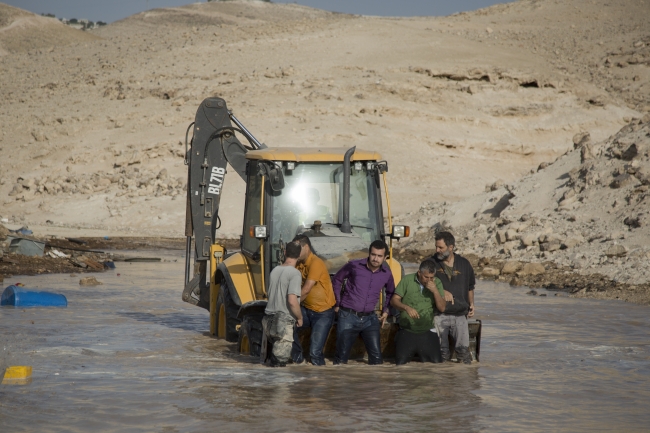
point(227, 310)
point(250, 335)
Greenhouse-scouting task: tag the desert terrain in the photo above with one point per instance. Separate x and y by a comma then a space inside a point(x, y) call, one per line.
point(512, 124)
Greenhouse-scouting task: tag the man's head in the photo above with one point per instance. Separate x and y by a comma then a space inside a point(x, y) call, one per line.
point(445, 244)
point(377, 254)
point(292, 250)
point(305, 246)
point(427, 271)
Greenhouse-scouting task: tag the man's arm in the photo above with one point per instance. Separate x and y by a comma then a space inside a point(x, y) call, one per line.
point(472, 284)
point(390, 292)
point(396, 301)
point(294, 307)
point(447, 295)
point(471, 304)
point(472, 277)
point(435, 287)
point(317, 272)
point(337, 283)
point(306, 288)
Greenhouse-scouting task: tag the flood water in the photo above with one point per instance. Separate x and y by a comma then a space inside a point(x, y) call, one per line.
point(130, 356)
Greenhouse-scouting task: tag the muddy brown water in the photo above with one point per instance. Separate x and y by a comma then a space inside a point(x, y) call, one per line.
point(131, 356)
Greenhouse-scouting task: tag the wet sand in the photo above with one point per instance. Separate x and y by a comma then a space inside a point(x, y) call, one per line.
point(131, 356)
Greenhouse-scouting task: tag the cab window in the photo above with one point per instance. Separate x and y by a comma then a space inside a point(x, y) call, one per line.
point(252, 214)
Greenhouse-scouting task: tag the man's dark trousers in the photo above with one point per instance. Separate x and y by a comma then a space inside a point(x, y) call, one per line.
point(349, 327)
point(320, 324)
point(424, 344)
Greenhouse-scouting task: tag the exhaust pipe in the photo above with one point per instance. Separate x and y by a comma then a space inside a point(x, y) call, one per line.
point(247, 133)
point(346, 227)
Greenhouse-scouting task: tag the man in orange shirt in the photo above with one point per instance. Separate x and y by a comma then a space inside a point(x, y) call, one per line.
point(317, 303)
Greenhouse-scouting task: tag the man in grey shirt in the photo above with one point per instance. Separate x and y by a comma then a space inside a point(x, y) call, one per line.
point(283, 308)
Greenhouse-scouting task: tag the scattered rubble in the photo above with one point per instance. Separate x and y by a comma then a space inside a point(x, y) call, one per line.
point(89, 281)
point(65, 256)
point(586, 231)
point(127, 180)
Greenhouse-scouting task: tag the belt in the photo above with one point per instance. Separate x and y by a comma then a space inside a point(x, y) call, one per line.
point(356, 313)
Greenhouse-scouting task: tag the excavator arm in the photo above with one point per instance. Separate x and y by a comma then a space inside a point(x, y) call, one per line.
point(214, 145)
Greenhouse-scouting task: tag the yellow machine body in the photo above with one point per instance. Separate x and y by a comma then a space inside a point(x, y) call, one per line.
point(245, 274)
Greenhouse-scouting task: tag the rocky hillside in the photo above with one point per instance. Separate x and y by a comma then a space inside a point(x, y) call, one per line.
point(588, 212)
point(603, 43)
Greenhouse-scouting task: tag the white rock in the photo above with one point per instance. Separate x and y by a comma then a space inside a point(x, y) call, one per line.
point(572, 242)
point(511, 235)
point(528, 240)
point(510, 267)
point(532, 269)
point(490, 272)
point(616, 251)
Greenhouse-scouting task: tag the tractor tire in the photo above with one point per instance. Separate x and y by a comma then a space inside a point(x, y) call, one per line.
point(227, 307)
point(250, 335)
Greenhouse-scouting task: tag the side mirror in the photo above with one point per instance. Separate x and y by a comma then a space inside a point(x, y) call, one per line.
point(400, 232)
point(276, 178)
point(273, 173)
point(258, 232)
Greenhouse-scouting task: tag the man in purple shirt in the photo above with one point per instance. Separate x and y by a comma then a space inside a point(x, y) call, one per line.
point(356, 304)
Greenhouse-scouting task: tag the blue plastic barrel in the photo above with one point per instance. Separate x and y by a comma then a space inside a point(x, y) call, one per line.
point(19, 297)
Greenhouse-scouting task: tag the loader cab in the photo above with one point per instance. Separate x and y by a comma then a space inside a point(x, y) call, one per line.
point(310, 202)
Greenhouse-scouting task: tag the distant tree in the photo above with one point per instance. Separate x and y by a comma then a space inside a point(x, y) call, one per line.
point(73, 21)
point(49, 15)
point(101, 23)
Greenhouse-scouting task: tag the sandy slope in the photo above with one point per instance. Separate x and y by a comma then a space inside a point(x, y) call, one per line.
point(22, 31)
point(91, 127)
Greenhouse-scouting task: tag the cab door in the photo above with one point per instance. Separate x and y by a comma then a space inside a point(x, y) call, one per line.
point(251, 247)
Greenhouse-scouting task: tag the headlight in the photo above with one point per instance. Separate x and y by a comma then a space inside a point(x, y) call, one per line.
point(258, 232)
point(401, 232)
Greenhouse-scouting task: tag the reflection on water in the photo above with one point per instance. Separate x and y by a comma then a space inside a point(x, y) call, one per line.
point(130, 355)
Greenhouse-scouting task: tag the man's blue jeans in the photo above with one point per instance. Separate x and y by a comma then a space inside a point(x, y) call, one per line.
point(320, 324)
point(349, 327)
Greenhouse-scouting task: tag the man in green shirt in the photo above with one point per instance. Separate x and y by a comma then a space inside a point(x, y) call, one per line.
point(415, 297)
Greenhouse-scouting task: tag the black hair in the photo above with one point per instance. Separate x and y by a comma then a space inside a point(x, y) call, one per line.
point(428, 265)
point(303, 240)
point(447, 237)
point(292, 250)
point(378, 245)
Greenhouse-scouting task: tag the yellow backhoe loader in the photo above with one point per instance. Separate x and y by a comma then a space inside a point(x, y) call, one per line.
point(333, 195)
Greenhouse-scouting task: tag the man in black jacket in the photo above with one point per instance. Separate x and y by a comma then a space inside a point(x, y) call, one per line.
point(457, 277)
